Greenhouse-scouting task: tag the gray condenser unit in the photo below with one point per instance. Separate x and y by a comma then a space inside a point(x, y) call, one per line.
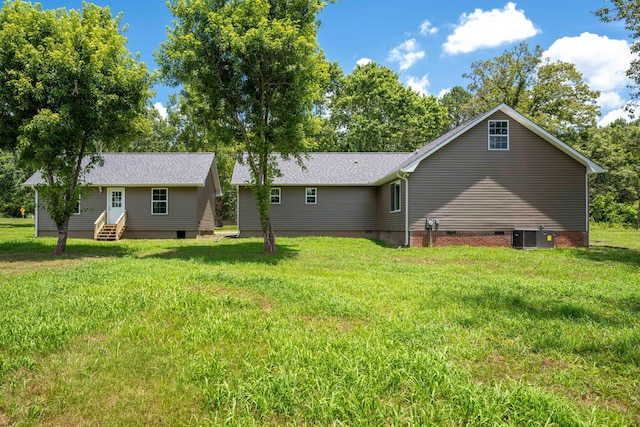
point(525, 239)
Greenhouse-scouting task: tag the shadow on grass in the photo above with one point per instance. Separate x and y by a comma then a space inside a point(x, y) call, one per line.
point(17, 224)
point(610, 254)
point(493, 298)
point(38, 250)
point(241, 252)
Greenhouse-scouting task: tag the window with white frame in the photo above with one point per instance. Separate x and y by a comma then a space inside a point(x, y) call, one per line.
point(159, 201)
point(77, 210)
point(275, 196)
point(394, 196)
point(311, 196)
point(498, 134)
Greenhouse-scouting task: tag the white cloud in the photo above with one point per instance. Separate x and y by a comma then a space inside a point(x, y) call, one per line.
point(608, 100)
point(406, 54)
point(614, 115)
point(483, 29)
point(426, 29)
point(161, 109)
point(363, 61)
point(443, 92)
point(602, 61)
point(419, 85)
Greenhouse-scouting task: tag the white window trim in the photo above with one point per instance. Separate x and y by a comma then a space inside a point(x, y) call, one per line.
point(391, 195)
point(166, 201)
point(307, 195)
point(279, 190)
point(78, 211)
point(489, 135)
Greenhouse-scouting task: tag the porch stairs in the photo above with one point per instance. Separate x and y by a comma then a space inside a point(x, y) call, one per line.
point(109, 233)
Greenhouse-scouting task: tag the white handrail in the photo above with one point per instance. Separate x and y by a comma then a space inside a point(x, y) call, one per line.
point(97, 226)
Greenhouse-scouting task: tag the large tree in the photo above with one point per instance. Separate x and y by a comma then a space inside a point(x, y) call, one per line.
point(257, 68)
point(458, 105)
point(616, 147)
point(553, 94)
point(69, 89)
point(372, 111)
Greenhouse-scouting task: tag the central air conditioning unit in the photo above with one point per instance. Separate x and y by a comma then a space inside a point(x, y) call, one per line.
point(533, 238)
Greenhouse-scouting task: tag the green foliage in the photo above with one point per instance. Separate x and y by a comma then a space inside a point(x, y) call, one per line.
point(372, 111)
point(627, 11)
point(13, 196)
point(327, 332)
point(615, 147)
point(457, 103)
point(69, 90)
point(552, 94)
point(256, 67)
point(605, 209)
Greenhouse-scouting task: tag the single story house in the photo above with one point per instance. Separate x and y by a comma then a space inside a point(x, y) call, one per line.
point(143, 195)
point(496, 180)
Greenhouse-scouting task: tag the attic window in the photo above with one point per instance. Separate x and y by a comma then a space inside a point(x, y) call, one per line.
point(498, 134)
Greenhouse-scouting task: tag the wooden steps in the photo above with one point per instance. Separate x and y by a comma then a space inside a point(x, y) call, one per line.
point(109, 233)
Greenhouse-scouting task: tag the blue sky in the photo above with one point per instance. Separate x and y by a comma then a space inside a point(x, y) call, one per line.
point(431, 44)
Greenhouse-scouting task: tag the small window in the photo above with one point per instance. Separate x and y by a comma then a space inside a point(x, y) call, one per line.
point(311, 196)
point(159, 201)
point(498, 135)
point(275, 196)
point(394, 196)
point(77, 210)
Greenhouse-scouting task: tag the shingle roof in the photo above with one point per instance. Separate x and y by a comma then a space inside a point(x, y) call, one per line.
point(330, 169)
point(376, 168)
point(141, 169)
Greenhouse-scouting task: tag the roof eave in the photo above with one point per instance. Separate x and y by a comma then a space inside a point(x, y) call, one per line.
point(592, 168)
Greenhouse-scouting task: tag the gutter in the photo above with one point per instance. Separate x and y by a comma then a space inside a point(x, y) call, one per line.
point(406, 210)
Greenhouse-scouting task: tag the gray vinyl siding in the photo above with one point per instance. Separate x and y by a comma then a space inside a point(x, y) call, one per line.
point(91, 205)
point(182, 209)
point(470, 188)
point(337, 209)
point(391, 221)
point(207, 206)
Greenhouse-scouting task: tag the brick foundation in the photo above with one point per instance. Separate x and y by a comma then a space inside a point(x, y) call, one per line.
point(572, 239)
point(564, 239)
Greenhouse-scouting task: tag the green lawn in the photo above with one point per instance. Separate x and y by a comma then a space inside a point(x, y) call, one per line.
point(328, 332)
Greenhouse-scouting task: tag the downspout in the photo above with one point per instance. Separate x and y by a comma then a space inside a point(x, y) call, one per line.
point(406, 209)
point(587, 208)
point(35, 213)
point(238, 210)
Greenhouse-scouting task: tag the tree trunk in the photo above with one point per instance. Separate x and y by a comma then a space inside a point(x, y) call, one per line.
point(62, 238)
point(269, 239)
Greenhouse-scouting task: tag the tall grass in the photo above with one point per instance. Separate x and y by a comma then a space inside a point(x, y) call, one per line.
point(327, 332)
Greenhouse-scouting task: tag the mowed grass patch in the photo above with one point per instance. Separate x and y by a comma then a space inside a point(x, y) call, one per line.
point(327, 332)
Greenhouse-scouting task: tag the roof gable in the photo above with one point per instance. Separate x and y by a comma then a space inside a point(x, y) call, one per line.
point(411, 163)
point(146, 169)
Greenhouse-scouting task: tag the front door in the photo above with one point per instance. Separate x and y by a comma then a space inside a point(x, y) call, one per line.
point(115, 204)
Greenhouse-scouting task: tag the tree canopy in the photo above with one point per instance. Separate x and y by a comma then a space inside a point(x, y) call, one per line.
point(257, 68)
point(370, 110)
point(69, 89)
point(552, 94)
point(627, 11)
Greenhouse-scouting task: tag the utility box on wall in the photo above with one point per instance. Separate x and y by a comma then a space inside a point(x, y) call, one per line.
point(526, 239)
